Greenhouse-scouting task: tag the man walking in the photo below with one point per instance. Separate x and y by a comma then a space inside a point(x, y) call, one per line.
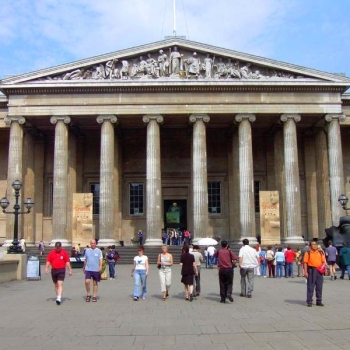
point(331, 254)
point(344, 255)
point(59, 260)
point(226, 260)
point(92, 267)
point(313, 260)
point(248, 260)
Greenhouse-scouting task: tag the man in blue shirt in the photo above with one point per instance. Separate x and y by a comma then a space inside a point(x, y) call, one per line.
point(331, 255)
point(91, 269)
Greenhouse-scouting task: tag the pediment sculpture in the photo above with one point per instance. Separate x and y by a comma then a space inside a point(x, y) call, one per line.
point(174, 64)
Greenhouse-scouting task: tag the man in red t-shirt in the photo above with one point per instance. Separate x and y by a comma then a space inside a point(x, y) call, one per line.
point(58, 258)
point(290, 257)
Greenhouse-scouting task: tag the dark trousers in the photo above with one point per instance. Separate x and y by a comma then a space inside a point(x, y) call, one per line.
point(225, 281)
point(197, 281)
point(314, 281)
point(271, 268)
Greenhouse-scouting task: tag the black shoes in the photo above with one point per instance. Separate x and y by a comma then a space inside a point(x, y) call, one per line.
point(309, 304)
point(242, 295)
point(319, 303)
point(222, 301)
point(230, 298)
point(191, 297)
point(249, 296)
point(58, 302)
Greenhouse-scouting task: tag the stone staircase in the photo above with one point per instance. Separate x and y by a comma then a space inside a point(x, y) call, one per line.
point(126, 254)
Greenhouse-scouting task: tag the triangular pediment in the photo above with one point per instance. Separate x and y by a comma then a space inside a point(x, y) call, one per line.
point(174, 60)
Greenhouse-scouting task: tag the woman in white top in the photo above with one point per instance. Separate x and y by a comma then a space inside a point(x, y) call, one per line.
point(140, 272)
point(164, 262)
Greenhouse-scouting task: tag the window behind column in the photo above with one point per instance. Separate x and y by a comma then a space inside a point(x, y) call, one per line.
point(214, 197)
point(136, 198)
point(95, 190)
point(257, 188)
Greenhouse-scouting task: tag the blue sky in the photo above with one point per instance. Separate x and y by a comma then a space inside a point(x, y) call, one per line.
point(36, 34)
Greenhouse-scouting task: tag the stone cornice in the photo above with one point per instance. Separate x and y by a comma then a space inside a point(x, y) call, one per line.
point(31, 90)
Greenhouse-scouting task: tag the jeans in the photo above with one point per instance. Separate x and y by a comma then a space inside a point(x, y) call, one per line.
point(279, 269)
point(289, 270)
point(343, 268)
point(249, 274)
point(111, 266)
point(140, 280)
point(263, 267)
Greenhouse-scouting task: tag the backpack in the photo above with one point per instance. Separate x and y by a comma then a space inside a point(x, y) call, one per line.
point(116, 256)
point(270, 256)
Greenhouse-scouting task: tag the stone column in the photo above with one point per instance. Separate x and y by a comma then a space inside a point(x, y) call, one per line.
point(292, 183)
point(246, 177)
point(106, 222)
point(14, 171)
point(199, 176)
point(153, 181)
point(336, 171)
point(60, 180)
point(322, 173)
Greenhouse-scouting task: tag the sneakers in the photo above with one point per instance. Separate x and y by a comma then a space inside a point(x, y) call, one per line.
point(136, 298)
point(58, 302)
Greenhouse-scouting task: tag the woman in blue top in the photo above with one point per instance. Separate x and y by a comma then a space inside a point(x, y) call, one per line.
point(279, 256)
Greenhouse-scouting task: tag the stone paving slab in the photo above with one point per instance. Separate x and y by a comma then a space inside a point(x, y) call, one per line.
point(275, 318)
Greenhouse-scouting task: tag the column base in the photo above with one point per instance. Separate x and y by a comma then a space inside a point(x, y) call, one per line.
point(65, 242)
point(295, 240)
point(153, 242)
point(7, 243)
point(106, 242)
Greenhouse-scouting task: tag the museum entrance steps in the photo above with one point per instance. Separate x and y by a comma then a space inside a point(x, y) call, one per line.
point(127, 254)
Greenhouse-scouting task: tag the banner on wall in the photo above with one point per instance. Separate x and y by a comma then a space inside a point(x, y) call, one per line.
point(82, 219)
point(270, 218)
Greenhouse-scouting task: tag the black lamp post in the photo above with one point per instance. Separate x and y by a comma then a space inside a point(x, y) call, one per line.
point(4, 203)
point(343, 200)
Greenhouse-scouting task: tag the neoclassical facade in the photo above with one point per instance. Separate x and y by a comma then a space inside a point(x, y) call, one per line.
point(175, 124)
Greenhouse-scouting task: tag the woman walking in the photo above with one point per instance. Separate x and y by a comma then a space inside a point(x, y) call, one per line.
point(140, 272)
point(165, 261)
point(188, 271)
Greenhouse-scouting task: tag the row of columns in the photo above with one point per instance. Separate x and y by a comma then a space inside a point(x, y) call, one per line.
point(199, 175)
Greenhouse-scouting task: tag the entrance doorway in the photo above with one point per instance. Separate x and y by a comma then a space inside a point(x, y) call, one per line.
point(175, 214)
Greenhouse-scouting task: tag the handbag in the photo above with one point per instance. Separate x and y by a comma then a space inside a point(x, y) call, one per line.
point(321, 269)
point(159, 266)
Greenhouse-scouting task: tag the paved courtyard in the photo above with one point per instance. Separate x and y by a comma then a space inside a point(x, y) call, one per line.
point(275, 318)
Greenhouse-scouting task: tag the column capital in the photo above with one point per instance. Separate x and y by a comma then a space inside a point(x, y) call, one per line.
point(108, 117)
point(194, 117)
point(330, 117)
point(56, 118)
point(285, 117)
point(19, 119)
point(157, 117)
point(240, 117)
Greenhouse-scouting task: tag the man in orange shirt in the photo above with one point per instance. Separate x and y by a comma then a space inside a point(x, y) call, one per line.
point(313, 260)
point(58, 258)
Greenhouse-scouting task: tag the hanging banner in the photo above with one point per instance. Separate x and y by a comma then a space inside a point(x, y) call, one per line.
point(82, 220)
point(270, 218)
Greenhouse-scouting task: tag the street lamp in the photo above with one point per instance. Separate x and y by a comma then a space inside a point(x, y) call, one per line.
point(343, 200)
point(4, 203)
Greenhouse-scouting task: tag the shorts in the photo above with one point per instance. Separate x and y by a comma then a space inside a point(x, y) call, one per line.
point(94, 275)
point(58, 275)
point(332, 263)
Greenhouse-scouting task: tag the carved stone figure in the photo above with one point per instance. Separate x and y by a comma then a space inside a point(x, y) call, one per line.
point(142, 67)
point(245, 71)
point(234, 71)
point(339, 234)
point(74, 75)
point(152, 66)
point(221, 70)
point(208, 66)
point(175, 59)
point(192, 66)
point(124, 71)
point(99, 72)
point(163, 64)
point(110, 70)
